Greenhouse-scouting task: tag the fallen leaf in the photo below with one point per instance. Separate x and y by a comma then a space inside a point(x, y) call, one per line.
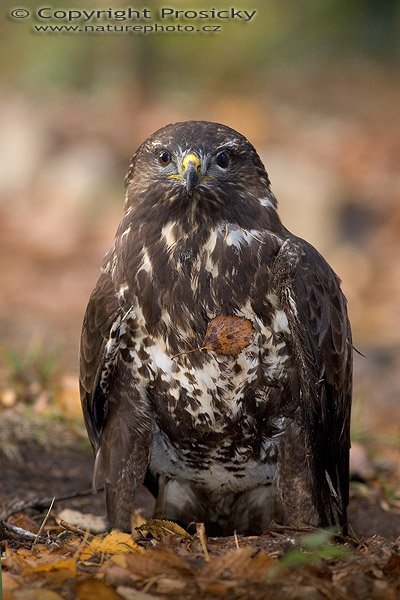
point(42, 562)
point(46, 595)
point(115, 542)
point(66, 568)
point(167, 585)
point(56, 565)
point(228, 334)
point(243, 564)
point(10, 582)
point(24, 521)
point(115, 575)
point(159, 528)
point(14, 559)
point(392, 566)
point(129, 593)
point(91, 588)
point(27, 593)
point(153, 563)
point(119, 560)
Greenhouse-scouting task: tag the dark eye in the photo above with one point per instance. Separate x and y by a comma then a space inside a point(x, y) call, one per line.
point(223, 159)
point(164, 157)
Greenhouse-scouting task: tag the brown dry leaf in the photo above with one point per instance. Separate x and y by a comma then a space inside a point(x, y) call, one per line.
point(54, 566)
point(115, 575)
point(167, 585)
point(24, 521)
point(15, 560)
point(159, 528)
point(27, 593)
point(115, 542)
point(119, 560)
point(228, 334)
point(88, 589)
point(392, 567)
point(129, 593)
point(10, 582)
point(168, 572)
point(153, 563)
point(46, 595)
point(242, 565)
point(58, 570)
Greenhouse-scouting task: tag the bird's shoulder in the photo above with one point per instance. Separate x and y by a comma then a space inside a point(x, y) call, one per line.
point(316, 306)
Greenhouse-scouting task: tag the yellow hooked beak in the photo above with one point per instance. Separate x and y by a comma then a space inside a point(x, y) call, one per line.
point(191, 166)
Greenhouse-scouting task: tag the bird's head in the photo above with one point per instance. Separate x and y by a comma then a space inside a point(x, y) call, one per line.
point(198, 168)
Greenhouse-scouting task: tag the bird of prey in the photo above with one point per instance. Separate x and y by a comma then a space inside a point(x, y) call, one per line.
point(237, 439)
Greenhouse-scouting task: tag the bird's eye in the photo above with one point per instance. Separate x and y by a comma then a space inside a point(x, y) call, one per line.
point(223, 159)
point(164, 157)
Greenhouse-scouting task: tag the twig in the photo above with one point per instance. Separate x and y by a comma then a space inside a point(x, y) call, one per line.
point(37, 502)
point(73, 528)
point(189, 351)
point(43, 524)
point(81, 545)
point(236, 540)
point(276, 527)
point(201, 532)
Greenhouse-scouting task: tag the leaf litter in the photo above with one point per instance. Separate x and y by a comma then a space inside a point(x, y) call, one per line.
point(164, 561)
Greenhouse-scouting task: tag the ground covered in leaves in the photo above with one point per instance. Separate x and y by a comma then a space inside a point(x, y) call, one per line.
point(74, 564)
point(64, 552)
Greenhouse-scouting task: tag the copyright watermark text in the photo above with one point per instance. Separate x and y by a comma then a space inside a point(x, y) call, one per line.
point(139, 20)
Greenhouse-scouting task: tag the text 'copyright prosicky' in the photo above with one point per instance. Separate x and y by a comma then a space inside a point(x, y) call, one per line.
point(131, 20)
point(47, 13)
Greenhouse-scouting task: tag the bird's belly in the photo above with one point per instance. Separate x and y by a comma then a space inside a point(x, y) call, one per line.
point(208, 468)
point(218, 419)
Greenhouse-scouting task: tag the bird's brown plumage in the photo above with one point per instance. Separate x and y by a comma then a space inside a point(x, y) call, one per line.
point(231, 440)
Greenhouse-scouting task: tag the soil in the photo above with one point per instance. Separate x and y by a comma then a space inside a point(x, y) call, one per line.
point(372, 569)
point(63, 471)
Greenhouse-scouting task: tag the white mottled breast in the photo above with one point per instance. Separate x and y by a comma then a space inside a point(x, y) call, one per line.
point(221, 377)
point(224, 377)
point(214, 386)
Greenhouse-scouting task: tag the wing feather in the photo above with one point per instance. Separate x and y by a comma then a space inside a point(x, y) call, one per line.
point(311, 294)
point(95, 371)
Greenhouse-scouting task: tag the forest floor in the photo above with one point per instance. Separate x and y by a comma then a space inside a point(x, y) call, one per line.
point(68, 556)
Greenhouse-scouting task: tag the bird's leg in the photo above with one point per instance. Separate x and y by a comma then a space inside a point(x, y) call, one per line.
point(125, 447)
point(295, 505)
point(179, 501)
point(252, 510)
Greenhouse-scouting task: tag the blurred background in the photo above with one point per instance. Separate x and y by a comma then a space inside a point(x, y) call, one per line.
point(314, 85)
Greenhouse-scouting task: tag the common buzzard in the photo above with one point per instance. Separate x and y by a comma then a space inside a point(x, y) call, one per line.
point(234, 440)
